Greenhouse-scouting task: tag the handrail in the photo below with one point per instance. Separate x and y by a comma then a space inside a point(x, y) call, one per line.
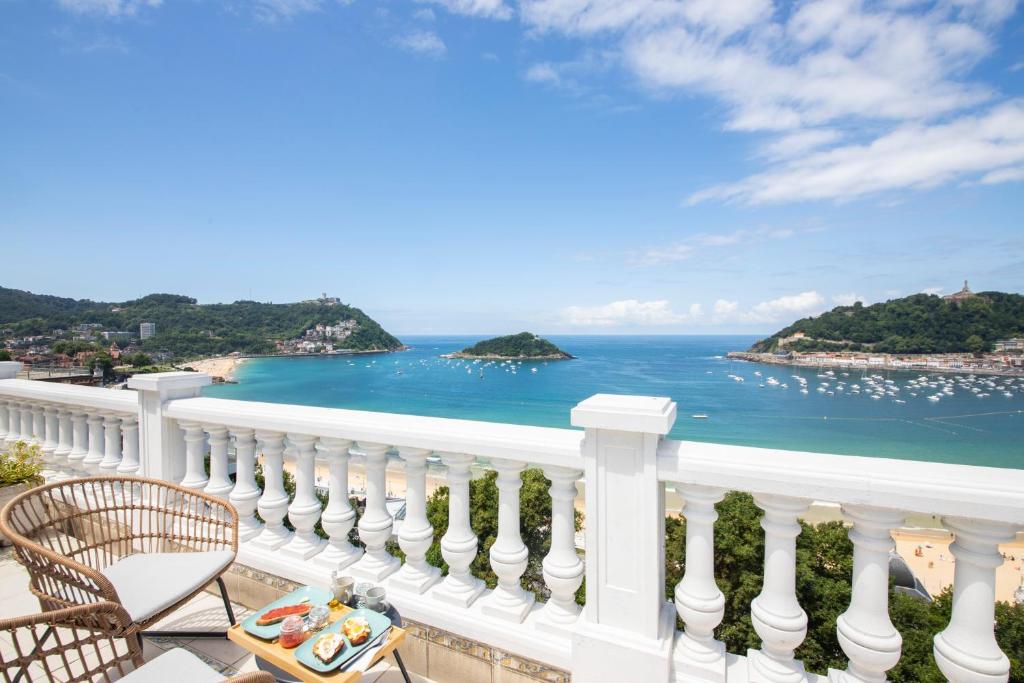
point(72, 395)
point(988, 493)
point(537, 445)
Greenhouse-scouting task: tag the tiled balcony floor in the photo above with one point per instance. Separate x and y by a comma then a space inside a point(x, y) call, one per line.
point(204, 612)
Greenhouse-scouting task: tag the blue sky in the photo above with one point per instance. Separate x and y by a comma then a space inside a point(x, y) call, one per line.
point(487, 166)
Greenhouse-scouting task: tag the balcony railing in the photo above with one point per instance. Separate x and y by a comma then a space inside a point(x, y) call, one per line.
point(626, 631)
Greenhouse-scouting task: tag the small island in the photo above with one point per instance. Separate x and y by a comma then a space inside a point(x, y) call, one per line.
point(522, 346)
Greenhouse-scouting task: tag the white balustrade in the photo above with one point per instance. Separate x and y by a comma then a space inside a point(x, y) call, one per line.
point(375, 525)
point(219, 483)
point(195, 457)
point(416, 535)
point(626, 631)
point(338, 518)
point(508, 553)
point(966, 651)
point(563, 568)
point(273, 504)
point(459, 543)
point(304, 511)
point(699, 602)
point(776, 613)
point(96, 442)
point(80, 441)
point(865, 631)
point(130, 459)
point(38, 424)
point(245, 494)
point(112, 451)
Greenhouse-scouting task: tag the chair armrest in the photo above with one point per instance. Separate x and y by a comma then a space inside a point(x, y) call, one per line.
point(83, 630)
point(253, 677)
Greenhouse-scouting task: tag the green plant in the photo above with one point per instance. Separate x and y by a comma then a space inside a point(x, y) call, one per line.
point(5, 354)
point(21, 464)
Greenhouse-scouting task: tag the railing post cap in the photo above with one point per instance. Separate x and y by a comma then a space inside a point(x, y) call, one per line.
point(169, 381)
point(9, 369)
point(647, 414)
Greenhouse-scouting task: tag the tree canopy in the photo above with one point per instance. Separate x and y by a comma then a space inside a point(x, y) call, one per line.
point(922, 323)
point(187, 328)
point(522, 345)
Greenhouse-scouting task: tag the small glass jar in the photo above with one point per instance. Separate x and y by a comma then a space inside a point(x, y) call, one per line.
point(318, 617)
point(292, 631)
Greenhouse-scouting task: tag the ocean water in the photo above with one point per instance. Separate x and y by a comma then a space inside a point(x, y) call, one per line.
point(692, 370)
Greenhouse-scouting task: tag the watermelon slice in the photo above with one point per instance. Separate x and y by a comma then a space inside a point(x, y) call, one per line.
point(279, 613)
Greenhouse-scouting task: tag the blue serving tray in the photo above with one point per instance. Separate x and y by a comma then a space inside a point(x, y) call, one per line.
point(378, 625)
point(316, 596)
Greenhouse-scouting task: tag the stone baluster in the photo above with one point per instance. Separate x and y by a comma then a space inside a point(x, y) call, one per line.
point(416, 534)
point(966, 651)
point(273, 504)
point(5, 421)
point(195, 465)
point(219, 483)
point(245, 495)
point(65, 436)
point(38, 424)
point(563, 568)
point(304, 512)
point(50, 431)
point(699, 602)
point(112, 444)
point(96, 442)
point(459, 543)
point(339, 517)
point(508, 553)
point(776, 613)
point(27, 433)
point(865, 632)
point(13, 424)
point(79, 441)
point(375, 525)
point(130, 460)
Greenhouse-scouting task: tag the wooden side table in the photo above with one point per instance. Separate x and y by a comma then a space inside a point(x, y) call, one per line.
point(284, 659)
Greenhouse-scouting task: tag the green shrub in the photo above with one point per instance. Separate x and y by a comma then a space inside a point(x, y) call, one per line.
point(21, 464)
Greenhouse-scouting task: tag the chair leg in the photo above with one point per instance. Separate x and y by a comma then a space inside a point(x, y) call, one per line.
point(227, 602)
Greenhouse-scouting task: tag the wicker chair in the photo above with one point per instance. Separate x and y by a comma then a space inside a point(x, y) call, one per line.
point(75, 644)
point(146, 545)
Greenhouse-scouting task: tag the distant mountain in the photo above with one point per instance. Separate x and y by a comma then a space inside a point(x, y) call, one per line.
point(185, 327)
point(922, 323)
point(522, 346)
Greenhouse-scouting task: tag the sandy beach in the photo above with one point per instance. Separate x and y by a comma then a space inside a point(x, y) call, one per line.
point(223, 367)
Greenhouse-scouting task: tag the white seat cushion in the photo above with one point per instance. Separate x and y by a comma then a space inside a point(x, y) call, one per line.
point(148, 583)
point(174, 666)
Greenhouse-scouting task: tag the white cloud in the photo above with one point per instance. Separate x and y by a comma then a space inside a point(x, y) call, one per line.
point(695, 311)
point(848, 299)
point(542, 72)
point(487, 9)
point(271, 11)
point(629, 312)
point(932, 290)
point(426, 43)
point(1003, 175)
point(785, 308)
point(108, 8)
point(424, 14)
point(798, 143)
point(689, 247)
point(914, 156)
point(724, 307)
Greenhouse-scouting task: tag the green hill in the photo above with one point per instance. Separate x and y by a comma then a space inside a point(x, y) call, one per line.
point(187, 328)
point(922, 323)
point(518, 346)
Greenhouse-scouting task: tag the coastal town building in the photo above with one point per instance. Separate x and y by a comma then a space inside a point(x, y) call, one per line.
point(1016, 344)
point(147, 330)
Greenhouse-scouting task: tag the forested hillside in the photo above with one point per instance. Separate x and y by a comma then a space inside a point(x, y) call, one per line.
point(922, 323)
point(185, 327)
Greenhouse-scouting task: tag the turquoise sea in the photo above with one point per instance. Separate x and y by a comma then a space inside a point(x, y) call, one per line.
point(959, 427)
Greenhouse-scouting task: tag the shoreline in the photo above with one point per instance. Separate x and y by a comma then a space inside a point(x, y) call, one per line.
point(770, 359)
point(217, 367)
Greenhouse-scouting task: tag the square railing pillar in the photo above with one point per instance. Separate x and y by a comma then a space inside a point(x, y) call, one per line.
point(9, 369)
point(627, 627)
point(161, 446)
